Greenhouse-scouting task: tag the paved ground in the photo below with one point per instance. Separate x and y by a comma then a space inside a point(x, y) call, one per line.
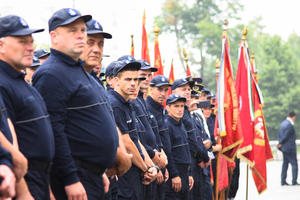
point(275, 191)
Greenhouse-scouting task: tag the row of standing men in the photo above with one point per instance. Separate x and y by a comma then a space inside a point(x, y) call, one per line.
point(69, 138)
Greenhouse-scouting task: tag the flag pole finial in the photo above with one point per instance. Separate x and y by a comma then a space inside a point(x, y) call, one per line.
point(156, 31)
point(252, 54)
point(131, 39)
point(226, 22)
point(185, 56)
point(144, 17)
point(245, 32)
point(217, 68)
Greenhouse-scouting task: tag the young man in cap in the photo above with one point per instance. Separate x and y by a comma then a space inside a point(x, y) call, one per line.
point(149, 138)
point(180, 181)
point(126, 85)
point(87, 138)
point(42, 55)
point(25, 106)
point(182, 87)
point(159, 87)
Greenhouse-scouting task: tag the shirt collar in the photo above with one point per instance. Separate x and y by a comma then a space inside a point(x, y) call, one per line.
point(67, 59)
point(154, 103)
point(173, 121)
point(120, 98)
point(289, 119)
point(10, 71)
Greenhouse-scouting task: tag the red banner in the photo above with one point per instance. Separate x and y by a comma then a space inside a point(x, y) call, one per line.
point(145, 50)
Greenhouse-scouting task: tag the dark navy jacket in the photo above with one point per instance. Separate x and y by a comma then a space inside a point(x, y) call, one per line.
point(179, 145)
point(28, 112)
point(125, 117)
point(80, 116)
point(3, 121)
point(157, 110)
point(287, 137)
point(198, 150)
point(148, 138)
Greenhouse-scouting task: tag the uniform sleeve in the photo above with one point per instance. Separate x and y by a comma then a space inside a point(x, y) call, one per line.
point(284, 133)
point(5, 157)
point(55, 98)
point(120, 120)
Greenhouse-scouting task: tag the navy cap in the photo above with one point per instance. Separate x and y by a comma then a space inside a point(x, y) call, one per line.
point(174, 98)
point(36, 62)
point(126, 57)
point(195, 94)
point(41, 53)
point(206, 91)
point(205, 104)
point(146, 66)
point(123, 65)
point(66, 16)
point(109, 71)
point(105, 55)
point(211, 95)
point(197, 86)
point(159, 80)
point(181, 82)
point(12, 25)
point(94, 27)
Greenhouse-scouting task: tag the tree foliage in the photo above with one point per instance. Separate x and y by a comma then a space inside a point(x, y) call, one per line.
point(198, 25)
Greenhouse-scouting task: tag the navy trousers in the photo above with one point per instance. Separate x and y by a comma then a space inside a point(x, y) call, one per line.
point(183, 194)
point(130, 185)
point(93, 185)
point(38, 184)
point(289, 157)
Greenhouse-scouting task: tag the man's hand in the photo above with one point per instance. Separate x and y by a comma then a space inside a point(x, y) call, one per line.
point(7, 186)
point(176, 183)
point(207, 144)
point(217, 148)
point(158, 160)
point(76, 191)
point(279, 146)
point(150, 175)
point(166, 175)
point(207, 164)
point(106, 183)
point(191, 182)
point(193, 105)
point(201, 164)
point(160, 177)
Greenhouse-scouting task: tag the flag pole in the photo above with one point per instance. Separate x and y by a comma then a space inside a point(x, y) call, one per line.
point(244, 38)
point(218, 142)
point(132, 45)
point(186, 60)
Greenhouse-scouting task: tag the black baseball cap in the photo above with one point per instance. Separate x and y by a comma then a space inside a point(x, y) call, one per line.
point(174, 98)
point(109, 71)
point(94, 27)
point(41, 53)
point(159, 80)
point(12, 25)
point(181, 82)
point(123, 65)
point(66, 16)
point(35, 62)
point(146, 66)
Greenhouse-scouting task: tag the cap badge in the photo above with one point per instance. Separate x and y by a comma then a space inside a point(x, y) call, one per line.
point(72, 12)
point(176, 95)
point(35, 59)
point(23, 22)
point(163, 79)
point(97, 25)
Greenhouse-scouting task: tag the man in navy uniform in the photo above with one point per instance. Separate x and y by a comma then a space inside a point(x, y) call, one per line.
point(149, 138)
point(25, 106)
point(80, 117)
point(287, 144)
point(180, 181)
point(159, 87)
point(125, 86)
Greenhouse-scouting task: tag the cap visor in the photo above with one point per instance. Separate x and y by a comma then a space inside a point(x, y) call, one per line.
point(105, 34)
point(161, 84)
point(142, 78)
point(85, 18)
point(26, 31)
point(153, 69)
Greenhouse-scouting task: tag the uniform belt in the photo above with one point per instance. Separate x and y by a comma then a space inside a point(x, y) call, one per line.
point(96, 169)
point(41, 166)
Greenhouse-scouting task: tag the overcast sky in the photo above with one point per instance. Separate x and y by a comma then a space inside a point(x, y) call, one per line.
point(124, 17)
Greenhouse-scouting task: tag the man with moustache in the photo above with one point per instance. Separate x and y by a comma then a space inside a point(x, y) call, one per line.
point(88, 140)
point(25, 107)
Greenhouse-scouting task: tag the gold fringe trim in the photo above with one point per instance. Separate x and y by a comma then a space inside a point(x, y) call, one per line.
point(236, 144)
point(260, 177)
